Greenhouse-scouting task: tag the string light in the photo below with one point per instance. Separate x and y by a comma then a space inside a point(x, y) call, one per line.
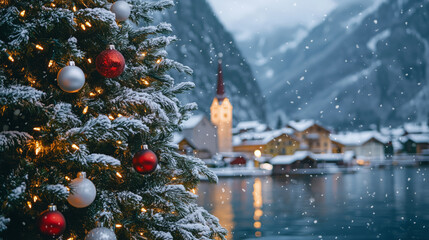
point(145, 82)
point(174, 178)
point(119, 142)
point(38, 46)
point(85, 110)
point(92, 94)
point(74, 146)
point(70, 238)
point(158, 61)
point(68, 189)
point(88, 24)
point(29, 204)
point(38, 147)
point(11, 58)
point(74, 8)
point(89, 60)
point(120, 115)
point(143, 210)
point(67, 178)
point(51, 62)
point(118, 225)
point(83, 26)
point(99, 90)
point(111, 117)
point(36, 128)
point(35, 198)
point(144, 54)
point(22, 13)
point(194, 191)
point(53, 4)
point(118, 174)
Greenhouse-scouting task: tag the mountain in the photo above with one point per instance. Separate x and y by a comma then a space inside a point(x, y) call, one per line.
point(201, 38)
point(361, 65)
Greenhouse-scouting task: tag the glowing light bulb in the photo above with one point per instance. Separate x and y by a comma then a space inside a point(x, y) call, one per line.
point(143, 210)
point(118, 225)
point(74, 9)
point(53, 4)
point(158, 61)
point(67, 178)
point(111, 117)
point(38, 147)
point(38, 46)
point(88, 24)
point(36, 128)
point(51, 62)
point(119, 142)
point(118, 174)
point(83, 26)
point(144, 54)
point(29, 204)
point(74, 146)
point(91, 94)
point(89, 60)
point(22, 13)
point(11, 58)
point(35, 198)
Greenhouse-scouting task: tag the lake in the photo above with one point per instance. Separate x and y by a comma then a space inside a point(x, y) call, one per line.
point(370, 204)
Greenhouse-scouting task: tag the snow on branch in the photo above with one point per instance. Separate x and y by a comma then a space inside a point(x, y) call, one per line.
point(17, 193)
point(13, 139)
point(181, 87)
point(157, 42)
point(63, 116)
point(58, 190)
point(19, 95)
point(103, 159)
point(3, 222)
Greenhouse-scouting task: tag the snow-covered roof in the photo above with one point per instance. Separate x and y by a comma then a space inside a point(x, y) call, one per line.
point(411, 128)
point(396, 132)
point(358, 138)
point(254, 126)
point(192, 121)
point(301, 125)
point(288, 159)
point(417, 138)
point(177, 137)
point(260, 138)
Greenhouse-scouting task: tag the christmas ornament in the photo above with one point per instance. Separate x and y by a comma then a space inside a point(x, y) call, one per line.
point(71, 78)
point(52, 222)
point(82, 191)
point(110, 63)
point(121, 9)
point(145, 161)
point(100, 233)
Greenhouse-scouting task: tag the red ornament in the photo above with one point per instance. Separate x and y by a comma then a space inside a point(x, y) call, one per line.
point(110, 63)
point(145, 161)
point(52, 222)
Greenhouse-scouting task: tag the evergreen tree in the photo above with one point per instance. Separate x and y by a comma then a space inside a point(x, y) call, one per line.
point(279, 123)
point(49, 135)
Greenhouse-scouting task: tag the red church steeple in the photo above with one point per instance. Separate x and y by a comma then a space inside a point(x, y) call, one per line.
point(220, 93)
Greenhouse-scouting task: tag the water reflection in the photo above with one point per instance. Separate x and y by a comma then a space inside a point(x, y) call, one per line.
point(372, 204)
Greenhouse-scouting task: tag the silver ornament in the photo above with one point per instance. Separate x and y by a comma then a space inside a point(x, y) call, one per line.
point(121, 9)
point(71, 78)
point(82, 191)
point(100, 233)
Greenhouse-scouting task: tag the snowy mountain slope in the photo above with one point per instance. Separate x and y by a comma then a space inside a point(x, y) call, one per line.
point(360, 66)
point(202, 37)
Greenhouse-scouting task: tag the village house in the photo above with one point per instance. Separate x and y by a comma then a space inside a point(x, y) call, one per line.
point(368, 146)
point(312, 136)
point(415, 143)
point(273, 143)
point(198, 134)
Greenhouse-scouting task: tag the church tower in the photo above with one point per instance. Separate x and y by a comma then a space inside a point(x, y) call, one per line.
point(221, 114)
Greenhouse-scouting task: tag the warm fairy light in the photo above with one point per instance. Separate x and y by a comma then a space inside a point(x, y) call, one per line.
point(145, 82)
point(38, 147)
point(91, 94)
point(257, 225)
point(67, 178)
point(111, 117)
point(29, 204)
point(74, 146)
point(120, 115)
point(99, 90)
point(74, 9)
point(119, 142)
point(85, 110)
point(22, 13)
point(158, 61)
point(68, 189)
point(88, 24)
point(144, 54)
point(174, 178)
point(11, 58)
point(70, 238)
point(51, 62)
point(83, 26)
point(38, 46)
point(143, 210)
point(53, 4)
point(194, 191)
point(35, 198)
point(118, 174)
point(118, 225)
point(89, 60)
point(36, 129)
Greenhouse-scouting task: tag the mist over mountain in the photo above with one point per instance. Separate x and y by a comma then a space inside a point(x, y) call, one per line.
point(363, 64)
point(201, 38)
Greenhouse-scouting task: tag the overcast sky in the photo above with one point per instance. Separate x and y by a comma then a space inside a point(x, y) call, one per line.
point(247, 17)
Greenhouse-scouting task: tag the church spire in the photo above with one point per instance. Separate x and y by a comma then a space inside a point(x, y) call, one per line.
point(220, 93)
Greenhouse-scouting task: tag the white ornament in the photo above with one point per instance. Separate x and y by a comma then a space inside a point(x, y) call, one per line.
point(82, 191)
point(71, 78)
point(121, 9)
point(100, 233)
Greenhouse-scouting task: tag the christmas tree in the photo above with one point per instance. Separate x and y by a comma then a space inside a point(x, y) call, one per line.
point(87, 114)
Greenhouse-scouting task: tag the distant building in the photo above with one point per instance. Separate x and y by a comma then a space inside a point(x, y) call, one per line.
point(198, 134)
point(287, 163)
point(276, 142)
point(369, 146)
point(313, 137)
point(415, 143)
point(221, 115)
point(250, 126)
